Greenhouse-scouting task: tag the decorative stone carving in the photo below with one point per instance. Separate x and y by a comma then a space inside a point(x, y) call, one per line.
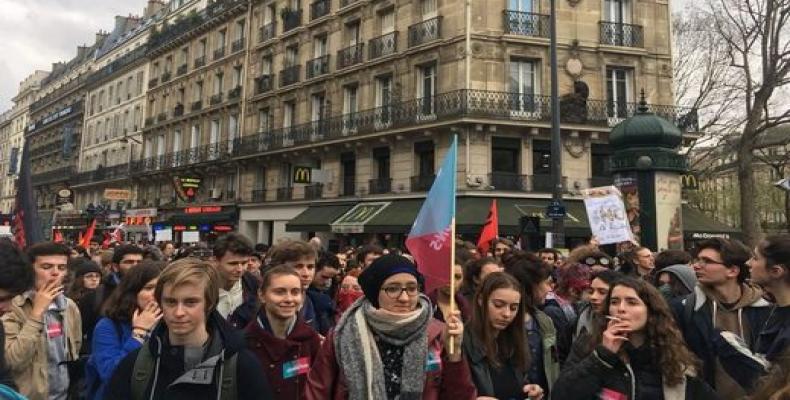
point(573, 3)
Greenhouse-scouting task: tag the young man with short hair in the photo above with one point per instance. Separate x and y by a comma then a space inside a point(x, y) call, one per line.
point(322, 290)
point(722, 318)
point(644, 261)
point(42, 328)
point(16, 277)
point(238, 288)
point(192, 354)
point(302, 257)
point(369, 253)
point(501, 247)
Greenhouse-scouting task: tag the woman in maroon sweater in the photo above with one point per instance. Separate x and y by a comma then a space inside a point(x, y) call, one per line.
point(283, 343)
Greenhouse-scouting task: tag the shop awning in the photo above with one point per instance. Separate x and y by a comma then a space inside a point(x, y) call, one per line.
point(317, 218)
point(697, 226)
point(198, 219)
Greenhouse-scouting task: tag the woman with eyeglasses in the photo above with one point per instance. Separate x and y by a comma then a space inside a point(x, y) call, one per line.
point(495, 341)
point(639, 353)
point(388, 345)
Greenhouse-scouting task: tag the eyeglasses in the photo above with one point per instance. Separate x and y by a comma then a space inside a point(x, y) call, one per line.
point(704, 261)
point(394, 292)
point(597, 261)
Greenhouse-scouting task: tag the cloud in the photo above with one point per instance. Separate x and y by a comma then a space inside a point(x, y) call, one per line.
point(37, 33)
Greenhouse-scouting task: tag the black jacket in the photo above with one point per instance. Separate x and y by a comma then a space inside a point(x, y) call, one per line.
point(774, 338)
point(603, 373)
point(324, 310)
point(90, 308)
point(251, 382)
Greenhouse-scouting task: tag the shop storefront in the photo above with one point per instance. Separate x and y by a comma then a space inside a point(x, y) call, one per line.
point(194, 224)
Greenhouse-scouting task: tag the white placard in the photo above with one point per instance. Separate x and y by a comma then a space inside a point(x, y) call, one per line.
point(5, 230)
point(549, 240)
point(606, 213)
point(190, 237)
point(164, 235)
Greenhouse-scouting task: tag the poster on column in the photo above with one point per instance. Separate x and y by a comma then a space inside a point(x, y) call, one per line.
point(669, 223)
point(627, 184)
point(190, 236)
point(608, 221)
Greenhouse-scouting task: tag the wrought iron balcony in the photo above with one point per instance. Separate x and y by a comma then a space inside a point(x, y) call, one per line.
point(200, 62)
point(267, 32)
point(149, 121)
point(380, 186)
point(314, 191)
point(219, 53)
point(620, 34)
point(290, 75)
point(178, 110)
point(62, 174)
point(450, 106)
point(237, 45)
point(425, 31)
point(291, 19)
point(349, 186)
point(319, 9)
point(166, 76)
point(259, 195)
point(383, 45)
point(120, 171)
point(182, 69)
point(284, 194)
point(215, 99)
point(264, 83)
point(350, 56)
point(508, 181)
point(345, 3)
point(196, 105)
point(598, 181)
point(422, 183)
point(318, 66)
point(234, 93)
point(153, 82)
point(526, 23)
point(213, 152)
point(161, 117)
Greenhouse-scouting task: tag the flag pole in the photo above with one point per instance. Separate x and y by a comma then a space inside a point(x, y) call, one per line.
point(452, 276)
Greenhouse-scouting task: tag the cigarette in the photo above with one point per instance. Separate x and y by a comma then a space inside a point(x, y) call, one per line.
point(612, 317)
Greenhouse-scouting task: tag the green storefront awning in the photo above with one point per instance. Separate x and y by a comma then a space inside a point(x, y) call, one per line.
point(317, 217)
point(697, 225)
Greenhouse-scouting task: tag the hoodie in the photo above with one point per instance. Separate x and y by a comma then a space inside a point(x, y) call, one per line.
point(684, 274)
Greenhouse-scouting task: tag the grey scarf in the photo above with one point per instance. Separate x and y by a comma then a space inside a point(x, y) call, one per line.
point(357, 354)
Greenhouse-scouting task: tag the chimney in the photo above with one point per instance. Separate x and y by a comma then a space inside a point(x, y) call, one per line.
point(153, 7)
point(101, 36)
point(56, 67)
point(82, 51)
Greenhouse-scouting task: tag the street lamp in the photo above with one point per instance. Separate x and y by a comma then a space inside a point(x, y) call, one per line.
point(558, 216)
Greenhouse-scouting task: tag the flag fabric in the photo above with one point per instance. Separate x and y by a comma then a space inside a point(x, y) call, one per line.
point(86, 239)
point(490, 230)
point(27, 226)
point(117, 234)
point(57, 237)
point(430, 240)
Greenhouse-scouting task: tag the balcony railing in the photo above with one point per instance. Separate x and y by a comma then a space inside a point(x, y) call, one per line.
point(237, 45)
point(196, 105)
point(383, 45)
point(219, 53)
point(259, 195)
point(284, 194)
point(508, 181)
point(197, 155)
point(422, 183)
point(345, 3)
point(234, 93)
point(200, 61)
point(380, 186)
point(149, 121)
point(319, 9)
point(314, 191)
point(449, 106)
point(166, 76)
point(526, 24)
point(153, 82)
point(290, 75)
point(178, 110)
point(350, 56)
point(57, 175)
point(318, 66)
point(425, 31)
point(182, 69)
point(291, 19)
point(161, 117)
point(267, 32)
point(215, 99)
point(264, 83)
point(100, 174)
point(619, 34)
point(349, 186)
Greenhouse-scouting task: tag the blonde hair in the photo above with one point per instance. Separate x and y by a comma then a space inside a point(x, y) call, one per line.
point(194, 271)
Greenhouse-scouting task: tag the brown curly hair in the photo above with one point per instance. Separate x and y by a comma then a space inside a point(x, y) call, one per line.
point(666, 343)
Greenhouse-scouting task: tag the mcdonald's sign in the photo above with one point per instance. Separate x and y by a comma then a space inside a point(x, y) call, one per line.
point(689, 182)
point(303, 175)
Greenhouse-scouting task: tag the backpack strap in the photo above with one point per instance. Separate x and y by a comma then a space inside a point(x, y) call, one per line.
point(229, 381)
point(141, 373)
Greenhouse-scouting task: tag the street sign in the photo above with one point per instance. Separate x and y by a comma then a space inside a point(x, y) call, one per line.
point(303, 175)
point(555, 210)
point(117, 194)
point(783, 184)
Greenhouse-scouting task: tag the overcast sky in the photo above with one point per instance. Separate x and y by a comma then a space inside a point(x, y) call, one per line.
point(36, 33)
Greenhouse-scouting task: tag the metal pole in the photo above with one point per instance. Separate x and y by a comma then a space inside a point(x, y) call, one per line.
point(558, 224)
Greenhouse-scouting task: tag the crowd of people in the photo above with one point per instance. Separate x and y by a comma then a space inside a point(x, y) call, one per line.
point(295, 321)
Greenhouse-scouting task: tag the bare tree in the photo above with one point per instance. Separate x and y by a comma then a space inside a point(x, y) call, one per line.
point(751, 40)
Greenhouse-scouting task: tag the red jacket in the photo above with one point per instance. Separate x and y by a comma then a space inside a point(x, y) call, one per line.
point(284, 361)
point(452, 381)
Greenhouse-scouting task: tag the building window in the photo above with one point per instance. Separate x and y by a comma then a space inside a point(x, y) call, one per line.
point(221, 38)
point(264, 120)
point(160, 146)
point(426, 154)
point(428, 9)
point(505, 155)
point(619, 91)
point(237, 76)
point(353, 33)
point(599, 160)
point(618, 11)
point(348, 165)
point(541, 157)
point(387, 21)
point(240, 30)
point(233, 131)
point(214, 133)
point(319, 46)
point(266, 65)
point(426, 88)
point(289, 117)
point(350, 108)
point(218, 83)
point(317, 107)
point(523, 86)
point(291, 56)
point(177, 141)
point(383, 100)
point(194, 140)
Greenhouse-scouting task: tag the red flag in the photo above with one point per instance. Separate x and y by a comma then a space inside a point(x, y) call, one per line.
point(105, 244)
point(86, 240)
point(490, 230)
point(57, 237)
